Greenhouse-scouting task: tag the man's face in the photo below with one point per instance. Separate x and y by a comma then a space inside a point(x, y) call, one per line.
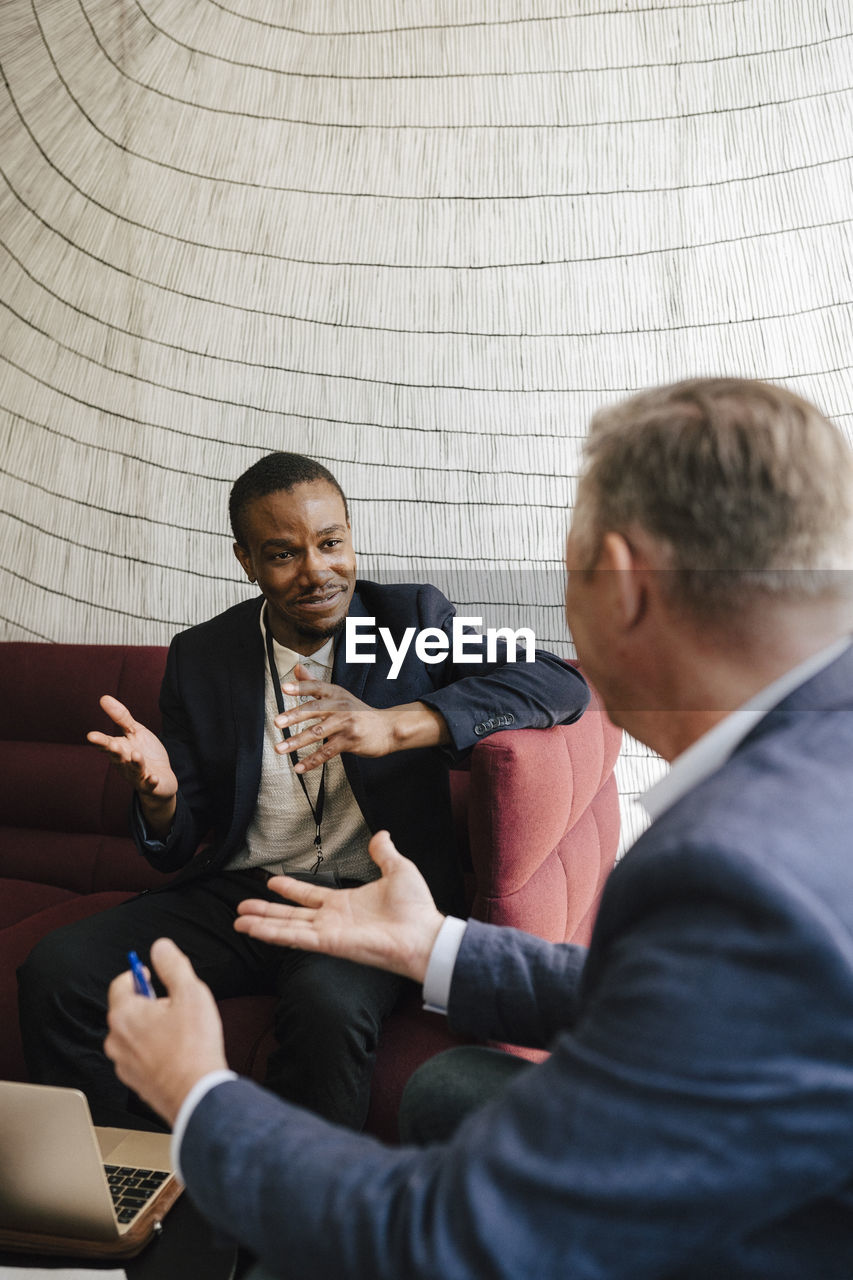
point(577, 593)
point(583, 594)
point(299, 551)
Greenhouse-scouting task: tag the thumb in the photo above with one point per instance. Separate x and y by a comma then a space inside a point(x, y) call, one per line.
point(383, 852)
point(172, 967)
point(301, 672)
point(117, 712)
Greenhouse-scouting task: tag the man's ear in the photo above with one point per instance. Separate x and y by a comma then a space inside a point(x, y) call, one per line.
point(245, 560)
point(628, 584)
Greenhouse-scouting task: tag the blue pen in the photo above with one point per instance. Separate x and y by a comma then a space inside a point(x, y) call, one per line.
point(143, 986)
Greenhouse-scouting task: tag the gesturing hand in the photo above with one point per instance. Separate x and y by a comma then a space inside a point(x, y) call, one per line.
point(143, 760)
point(390, 923)
point(139, 753)
point(348, 724)
point(161, 1048)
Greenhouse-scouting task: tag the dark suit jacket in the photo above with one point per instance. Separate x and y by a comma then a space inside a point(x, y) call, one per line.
point(212, 702)
point(695, 1118)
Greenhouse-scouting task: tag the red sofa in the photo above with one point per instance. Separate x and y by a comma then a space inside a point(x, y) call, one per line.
point(536, 812)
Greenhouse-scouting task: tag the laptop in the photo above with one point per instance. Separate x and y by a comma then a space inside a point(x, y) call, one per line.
point(69, 1187)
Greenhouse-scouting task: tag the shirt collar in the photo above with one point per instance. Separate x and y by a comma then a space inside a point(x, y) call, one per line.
point(712, 750)
point(286, 659)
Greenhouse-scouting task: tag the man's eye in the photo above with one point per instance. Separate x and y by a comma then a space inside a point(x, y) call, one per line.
point(333, 542)
point(282, 555)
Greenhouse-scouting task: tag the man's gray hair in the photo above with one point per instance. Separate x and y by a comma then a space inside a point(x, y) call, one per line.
point(747, 487)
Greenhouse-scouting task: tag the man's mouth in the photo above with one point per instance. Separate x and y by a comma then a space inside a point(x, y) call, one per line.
point(319, 600)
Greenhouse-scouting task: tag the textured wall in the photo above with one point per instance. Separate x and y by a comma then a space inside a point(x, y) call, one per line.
point(420, 241)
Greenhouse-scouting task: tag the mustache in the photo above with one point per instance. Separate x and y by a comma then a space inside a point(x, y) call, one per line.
point(323, 594)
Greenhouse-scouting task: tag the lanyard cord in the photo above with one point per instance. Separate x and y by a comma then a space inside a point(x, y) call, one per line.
point(316, 809)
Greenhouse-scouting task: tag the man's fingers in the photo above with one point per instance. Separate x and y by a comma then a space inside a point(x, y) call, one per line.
point(118, 748)
point(306, 737)
point(118, 712)
point(287, 918)
point(331, 747)
point(172, 967)
point(261, 907)
point(300, 891)
point(383, 852)
point(282, 922)
point(274, 910)
point(303, 686)
point(281, 933)
point(310, 710)
point(121, 988)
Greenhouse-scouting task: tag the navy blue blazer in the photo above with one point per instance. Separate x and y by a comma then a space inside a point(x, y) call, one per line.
point(695, 1118)
point(212, 702)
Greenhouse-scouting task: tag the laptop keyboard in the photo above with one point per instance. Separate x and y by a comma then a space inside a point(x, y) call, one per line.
point(131, 1189)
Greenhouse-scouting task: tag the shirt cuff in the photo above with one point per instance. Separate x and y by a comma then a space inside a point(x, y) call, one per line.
point(188, 1106)
point(441, 961)
point(153, 844)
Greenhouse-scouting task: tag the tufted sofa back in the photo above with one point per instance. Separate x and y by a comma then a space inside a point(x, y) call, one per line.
point(63, 809)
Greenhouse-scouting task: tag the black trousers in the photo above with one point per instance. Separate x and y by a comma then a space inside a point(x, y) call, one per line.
point(327, 1018)
point(447, 1088)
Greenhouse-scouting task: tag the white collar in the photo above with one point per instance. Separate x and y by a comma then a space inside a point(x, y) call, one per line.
point(286, 659)
point(712, 750)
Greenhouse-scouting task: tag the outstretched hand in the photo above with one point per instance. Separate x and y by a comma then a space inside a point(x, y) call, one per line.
point(142, 759)
point(390, 923)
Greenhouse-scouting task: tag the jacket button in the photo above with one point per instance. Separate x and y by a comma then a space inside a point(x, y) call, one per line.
point(480, 729)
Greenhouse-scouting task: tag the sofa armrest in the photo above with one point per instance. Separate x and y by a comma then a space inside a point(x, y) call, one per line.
point(543, 825)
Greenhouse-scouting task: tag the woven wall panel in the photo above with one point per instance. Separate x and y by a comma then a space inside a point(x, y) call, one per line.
point(421, 241)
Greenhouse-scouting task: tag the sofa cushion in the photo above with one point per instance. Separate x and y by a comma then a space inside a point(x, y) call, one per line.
point(79, 861)
point(51, 692)
point(46, 908)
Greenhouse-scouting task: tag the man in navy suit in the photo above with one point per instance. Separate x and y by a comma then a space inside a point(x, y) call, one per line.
point(374, 753)
point(695, 1116)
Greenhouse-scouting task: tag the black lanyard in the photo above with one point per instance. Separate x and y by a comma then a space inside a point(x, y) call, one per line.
point(316, 809)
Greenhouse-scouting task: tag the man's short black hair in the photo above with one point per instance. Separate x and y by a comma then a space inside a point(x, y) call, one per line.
point(271, 474)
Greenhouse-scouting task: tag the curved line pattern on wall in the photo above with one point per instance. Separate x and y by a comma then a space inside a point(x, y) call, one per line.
point(421, 242)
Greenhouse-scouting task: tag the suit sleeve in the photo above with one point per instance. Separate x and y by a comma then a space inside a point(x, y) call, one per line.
point(512, 986)
point(192, 815)
point(479, 697)
point(679, 1115)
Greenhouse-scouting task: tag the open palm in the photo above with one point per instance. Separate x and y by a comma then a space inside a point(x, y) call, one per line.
point(390, 923)
point(138, 753)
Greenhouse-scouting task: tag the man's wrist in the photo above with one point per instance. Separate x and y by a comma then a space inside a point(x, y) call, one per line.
point(158, 812)
point(414, 724)
point(199, 1090)
point(423, 943)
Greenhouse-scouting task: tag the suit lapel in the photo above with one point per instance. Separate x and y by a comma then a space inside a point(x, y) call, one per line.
point(352, 677)
point(246, 674)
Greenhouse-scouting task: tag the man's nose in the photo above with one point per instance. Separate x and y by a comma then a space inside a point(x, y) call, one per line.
point(315, 570)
